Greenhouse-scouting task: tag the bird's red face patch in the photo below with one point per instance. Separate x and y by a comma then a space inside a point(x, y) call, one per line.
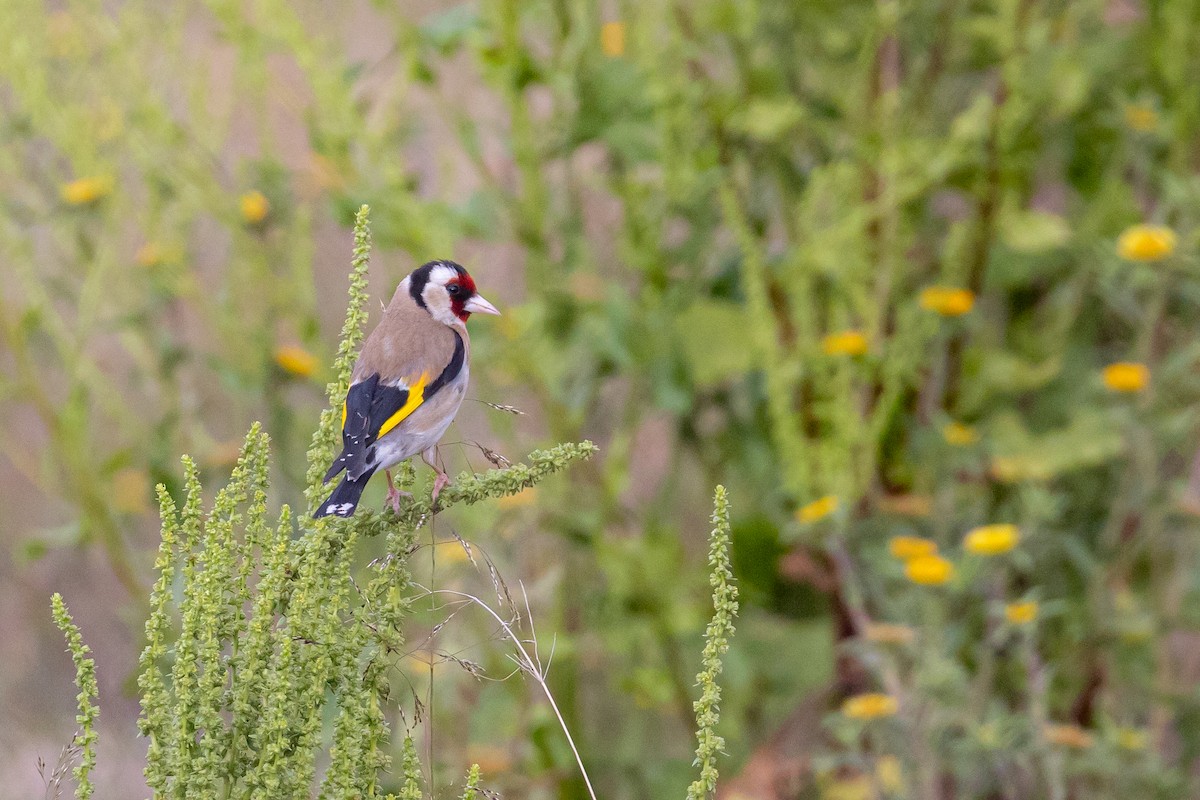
point(461, 289)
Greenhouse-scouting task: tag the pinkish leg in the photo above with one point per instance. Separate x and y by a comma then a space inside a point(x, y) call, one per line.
point(442, 480)
point(394, 494)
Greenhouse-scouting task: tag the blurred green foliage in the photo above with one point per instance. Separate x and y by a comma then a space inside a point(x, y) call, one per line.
point(686, 200)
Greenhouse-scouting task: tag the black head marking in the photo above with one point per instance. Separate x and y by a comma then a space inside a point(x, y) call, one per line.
point(420, 277)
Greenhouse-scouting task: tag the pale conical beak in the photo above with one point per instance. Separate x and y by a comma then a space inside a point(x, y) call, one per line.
point(477, 305)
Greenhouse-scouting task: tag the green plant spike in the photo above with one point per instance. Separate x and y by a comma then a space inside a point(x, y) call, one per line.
point(471, 790)
point(324, 441)
point(412, 772)
point(89, 712)
point(716, 644)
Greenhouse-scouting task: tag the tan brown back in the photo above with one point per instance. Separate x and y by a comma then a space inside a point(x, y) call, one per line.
point(406, 343)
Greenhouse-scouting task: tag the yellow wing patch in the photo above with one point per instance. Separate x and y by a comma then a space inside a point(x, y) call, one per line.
point(416, 396)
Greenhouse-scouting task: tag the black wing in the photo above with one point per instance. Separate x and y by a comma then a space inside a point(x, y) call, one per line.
point(372, 409)
point(368, 406)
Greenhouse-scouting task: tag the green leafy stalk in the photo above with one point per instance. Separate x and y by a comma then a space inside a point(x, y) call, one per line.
point(412, 772)
point(716, 644)
point(471, 790)
point(85, 679)
point(156, 713)
point(324, 441)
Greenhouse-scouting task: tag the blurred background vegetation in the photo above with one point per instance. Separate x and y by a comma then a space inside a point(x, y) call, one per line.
point(916, 281)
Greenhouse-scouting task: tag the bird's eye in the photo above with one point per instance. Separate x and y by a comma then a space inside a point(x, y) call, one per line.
point(454, 289)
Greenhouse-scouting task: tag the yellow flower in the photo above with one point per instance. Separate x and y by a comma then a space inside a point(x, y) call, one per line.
point(295, 360)
point(1006, 469)
point(85, 191)
point(612, 39)
point(906, 505)
point(908, 547)
point(959, 435)
point(1141, 117)
point(149, 255)
point(131, 490)
point(889, 774)
point(947, 300)
point(451, 553)
point(992, 540)
point(1126, 376)
point(1131, 739)
point(872, 705)
point(524, 497)
point(845, 343)
point(1067, 736)
point(889, 633)
point(818, 509)
point(255, 207)
point(1146, 243)
point(932, 570)
point(1021, 613)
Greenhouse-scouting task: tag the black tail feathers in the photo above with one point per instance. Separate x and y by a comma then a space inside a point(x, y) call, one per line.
point(345, 497)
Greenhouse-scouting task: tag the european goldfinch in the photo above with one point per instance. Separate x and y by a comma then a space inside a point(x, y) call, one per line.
point(407, 384)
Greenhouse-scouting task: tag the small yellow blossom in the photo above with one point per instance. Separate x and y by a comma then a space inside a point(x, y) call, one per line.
point(947, 300)
point(1006, 469)
point(1067, 736)
point(524, 497)
point(959, 435)
point(295, 360)
point(818, 509)
point(1126, 376)
point(1146, 243)
point(907, 505)
point(85, 191)
point(890, 774)
point(889, 633)
point(845, 343)
point(872, 705)
point(131, 490)
point(1021, 613)
point(149, 255)
point(992, 540)
point(908, 547)
point(612, 39)
point(451, 553)
point(1141, 117)
point(932, 570)
point(255, 206)
point(1131, 739)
